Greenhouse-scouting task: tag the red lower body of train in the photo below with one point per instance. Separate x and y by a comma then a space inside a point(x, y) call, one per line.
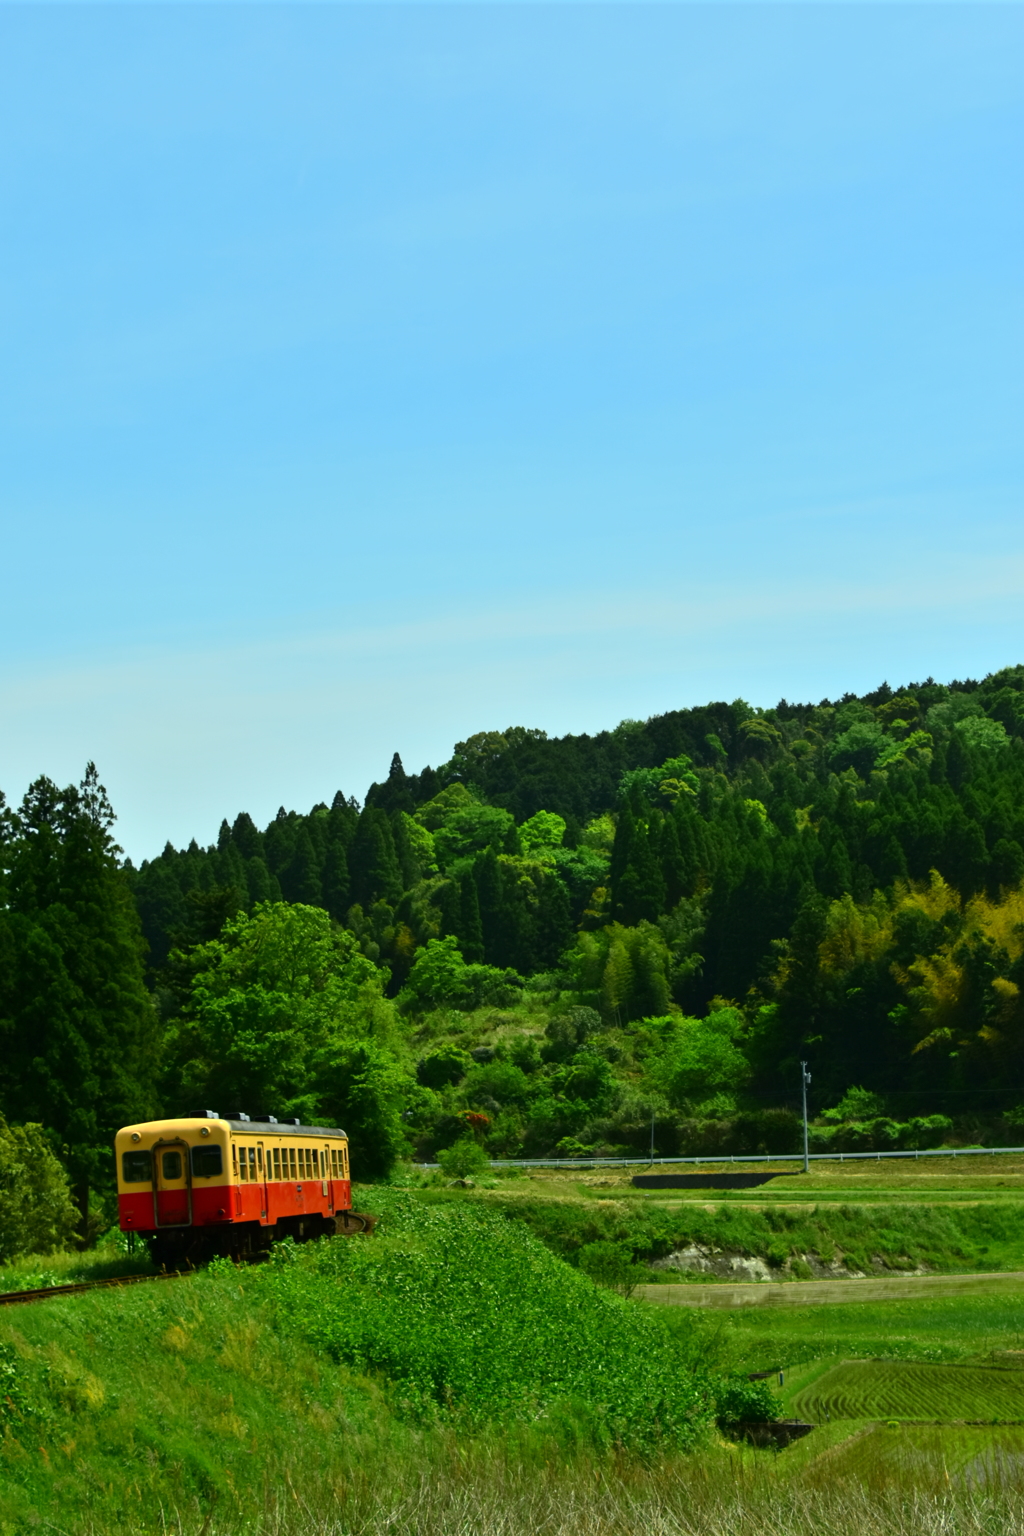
point(189, 1225)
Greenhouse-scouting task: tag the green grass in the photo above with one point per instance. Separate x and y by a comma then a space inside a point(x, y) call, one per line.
point(164, 1397)
point(870, 1238)
point(221, 1391)
point(108, 1259)
point(901, 1389)
point(451, 1374)
point(950, 1329)
point(197, 1406)
point(472, 1320)
point(965, 1458)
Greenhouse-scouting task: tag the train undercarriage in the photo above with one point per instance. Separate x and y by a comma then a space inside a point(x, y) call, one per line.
point(177, 1248)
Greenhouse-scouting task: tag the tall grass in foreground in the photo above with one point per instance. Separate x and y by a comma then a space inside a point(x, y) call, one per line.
point(471, 1495)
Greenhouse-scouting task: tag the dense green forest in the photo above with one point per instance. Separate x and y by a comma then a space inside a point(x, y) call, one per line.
point(544, 943)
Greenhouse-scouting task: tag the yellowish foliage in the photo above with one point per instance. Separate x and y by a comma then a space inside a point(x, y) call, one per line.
point(941, 986)
point(854, 934)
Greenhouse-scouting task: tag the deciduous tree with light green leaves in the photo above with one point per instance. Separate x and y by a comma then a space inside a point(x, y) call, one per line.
point(278, 989)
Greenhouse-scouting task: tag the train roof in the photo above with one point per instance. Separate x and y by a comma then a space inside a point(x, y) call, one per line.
point(238, 1124)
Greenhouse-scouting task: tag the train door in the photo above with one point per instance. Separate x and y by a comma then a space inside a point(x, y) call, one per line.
point(262, 1174)
point(327, 1183)
point(172, 1183)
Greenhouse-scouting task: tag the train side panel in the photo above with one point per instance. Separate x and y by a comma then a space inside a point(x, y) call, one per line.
point(202, 1173)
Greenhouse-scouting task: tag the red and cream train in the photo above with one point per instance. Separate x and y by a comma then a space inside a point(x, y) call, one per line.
point(211, 1184)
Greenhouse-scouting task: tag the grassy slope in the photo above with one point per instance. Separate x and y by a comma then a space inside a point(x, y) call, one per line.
point(168, 1396)
point(177, 1397)
point(333, 1364)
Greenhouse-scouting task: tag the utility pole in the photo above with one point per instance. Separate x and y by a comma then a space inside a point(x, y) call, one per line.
point(805, 1078)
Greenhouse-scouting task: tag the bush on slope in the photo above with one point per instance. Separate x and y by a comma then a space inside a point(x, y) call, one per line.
point(468, 1317)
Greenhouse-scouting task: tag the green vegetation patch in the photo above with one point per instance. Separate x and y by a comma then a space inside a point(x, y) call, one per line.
point(868, 1238)
point(950, 1329)
point(972, 1459)
point(466, 1316)
point(901, 1389)
point(120, 1404)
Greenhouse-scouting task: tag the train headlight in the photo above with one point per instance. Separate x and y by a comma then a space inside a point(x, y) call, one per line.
point(136, 1136)
point(205, 1130)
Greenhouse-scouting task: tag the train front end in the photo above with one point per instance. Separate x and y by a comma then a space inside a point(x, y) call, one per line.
point(174, 1176)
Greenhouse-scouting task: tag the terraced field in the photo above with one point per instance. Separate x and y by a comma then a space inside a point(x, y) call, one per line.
point(979, 1458)
point(899, 1389)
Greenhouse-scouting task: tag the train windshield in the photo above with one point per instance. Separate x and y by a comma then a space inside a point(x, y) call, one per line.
point(207, 1162)
point(137, 1167)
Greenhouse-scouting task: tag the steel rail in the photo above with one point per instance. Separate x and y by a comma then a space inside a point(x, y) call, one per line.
point(17, 1298)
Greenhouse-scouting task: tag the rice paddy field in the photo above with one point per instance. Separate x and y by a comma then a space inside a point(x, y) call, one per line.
point(905, 1389)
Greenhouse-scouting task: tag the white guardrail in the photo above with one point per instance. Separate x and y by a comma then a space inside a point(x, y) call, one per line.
point(754, 1157)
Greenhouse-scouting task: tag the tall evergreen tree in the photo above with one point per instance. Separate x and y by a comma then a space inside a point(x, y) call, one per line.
point(373, 862)
point(245, 836)
point(471, 932)
point(300, 878)
point(493, 908)
point(80, 1053)
point(639, 891)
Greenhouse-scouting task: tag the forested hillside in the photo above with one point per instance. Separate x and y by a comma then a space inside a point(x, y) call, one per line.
point(546, 942)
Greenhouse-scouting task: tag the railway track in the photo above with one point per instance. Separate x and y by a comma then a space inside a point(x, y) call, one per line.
point(19, 1298)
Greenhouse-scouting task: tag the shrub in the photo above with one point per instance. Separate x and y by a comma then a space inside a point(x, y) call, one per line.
point(467, 1318)
point(445, 1065)
point(610, 1264)
point(36, 1211)
point(440, 978)
point(464, 1159)
point(739, 1401)
point(568, 1031)
point(500, 1081)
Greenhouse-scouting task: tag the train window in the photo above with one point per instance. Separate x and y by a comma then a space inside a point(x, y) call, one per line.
point(291, 1162)
point(137, 1167)
point(316, 1163)
point(344, 1162)
point(252, 1165)
point(234, 1158)
point(277, 1162)
point(207, 1162)
point(171, 1165)
point(243, 1165)
point(259, 1158)
point(308, 1161)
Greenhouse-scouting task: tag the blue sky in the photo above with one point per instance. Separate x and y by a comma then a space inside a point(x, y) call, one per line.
point(374, 375)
